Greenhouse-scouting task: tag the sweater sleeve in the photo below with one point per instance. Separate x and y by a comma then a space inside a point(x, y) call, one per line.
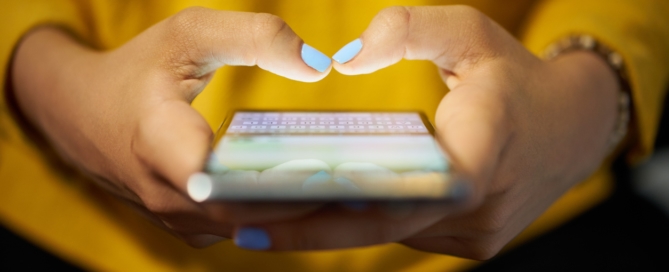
point(638, 30)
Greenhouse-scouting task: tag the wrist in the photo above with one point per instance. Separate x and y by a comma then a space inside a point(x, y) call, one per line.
point(48, 64)
point(588, 69)
point(592, 90)
point(615, 63)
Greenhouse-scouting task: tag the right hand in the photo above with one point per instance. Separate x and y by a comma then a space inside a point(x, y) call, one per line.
point(124, 116)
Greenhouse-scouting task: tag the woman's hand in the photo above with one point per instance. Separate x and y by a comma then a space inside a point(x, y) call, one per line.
point(520, 130)
point(124, 116)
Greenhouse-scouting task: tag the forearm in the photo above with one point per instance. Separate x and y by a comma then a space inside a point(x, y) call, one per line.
point(47, 63)
point(592, 88)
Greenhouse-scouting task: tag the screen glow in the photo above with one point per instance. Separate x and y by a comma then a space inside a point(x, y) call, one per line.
point(327, 155)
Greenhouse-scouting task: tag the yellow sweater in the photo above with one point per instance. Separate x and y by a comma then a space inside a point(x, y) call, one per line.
point(64, 214)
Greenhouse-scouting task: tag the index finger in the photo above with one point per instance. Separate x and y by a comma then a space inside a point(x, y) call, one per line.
point(195, 42)
point(445, 35)
point(192, 45)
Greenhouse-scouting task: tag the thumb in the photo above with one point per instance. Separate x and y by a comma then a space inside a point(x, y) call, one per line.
point(473, 128)
point(464, 44)
point(199, 41)
point(453, 37)
point(173, 139)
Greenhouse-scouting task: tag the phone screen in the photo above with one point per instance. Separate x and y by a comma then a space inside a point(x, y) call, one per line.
point(294, 155)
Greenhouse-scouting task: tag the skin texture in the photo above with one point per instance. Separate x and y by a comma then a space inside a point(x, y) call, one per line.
point(520, 130)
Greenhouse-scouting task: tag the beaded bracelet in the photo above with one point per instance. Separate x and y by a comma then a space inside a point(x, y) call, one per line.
point(615, 61)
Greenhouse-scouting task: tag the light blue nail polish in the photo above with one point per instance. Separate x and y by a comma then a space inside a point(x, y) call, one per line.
point(252, 238)
point(317, 179)
point(315, 59)
point(346, 53)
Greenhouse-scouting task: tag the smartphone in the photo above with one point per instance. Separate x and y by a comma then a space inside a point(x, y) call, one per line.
point(325, 156)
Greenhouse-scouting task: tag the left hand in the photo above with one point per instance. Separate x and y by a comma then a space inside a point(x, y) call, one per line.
point(520, 130)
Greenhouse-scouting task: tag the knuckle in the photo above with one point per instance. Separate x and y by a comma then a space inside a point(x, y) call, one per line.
point(268, 23)
point(186, 20)
point(394, 18)
point(264, 28)
point(476, 22)
point(267, 26)
point(182, 26)
point(182, 33)
point(472, 14)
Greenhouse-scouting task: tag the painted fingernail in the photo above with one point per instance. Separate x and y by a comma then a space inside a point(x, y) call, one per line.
point(317, 179)
point(348, 52)
point(252, 238)
point(315, 59)
point(355, 205)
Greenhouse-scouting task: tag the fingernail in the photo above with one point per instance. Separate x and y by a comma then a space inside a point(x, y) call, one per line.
point(199, 186)
point(355, 205)
point(348, 52)
point(317, 179)
point(252, 238)
point(315, 59)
